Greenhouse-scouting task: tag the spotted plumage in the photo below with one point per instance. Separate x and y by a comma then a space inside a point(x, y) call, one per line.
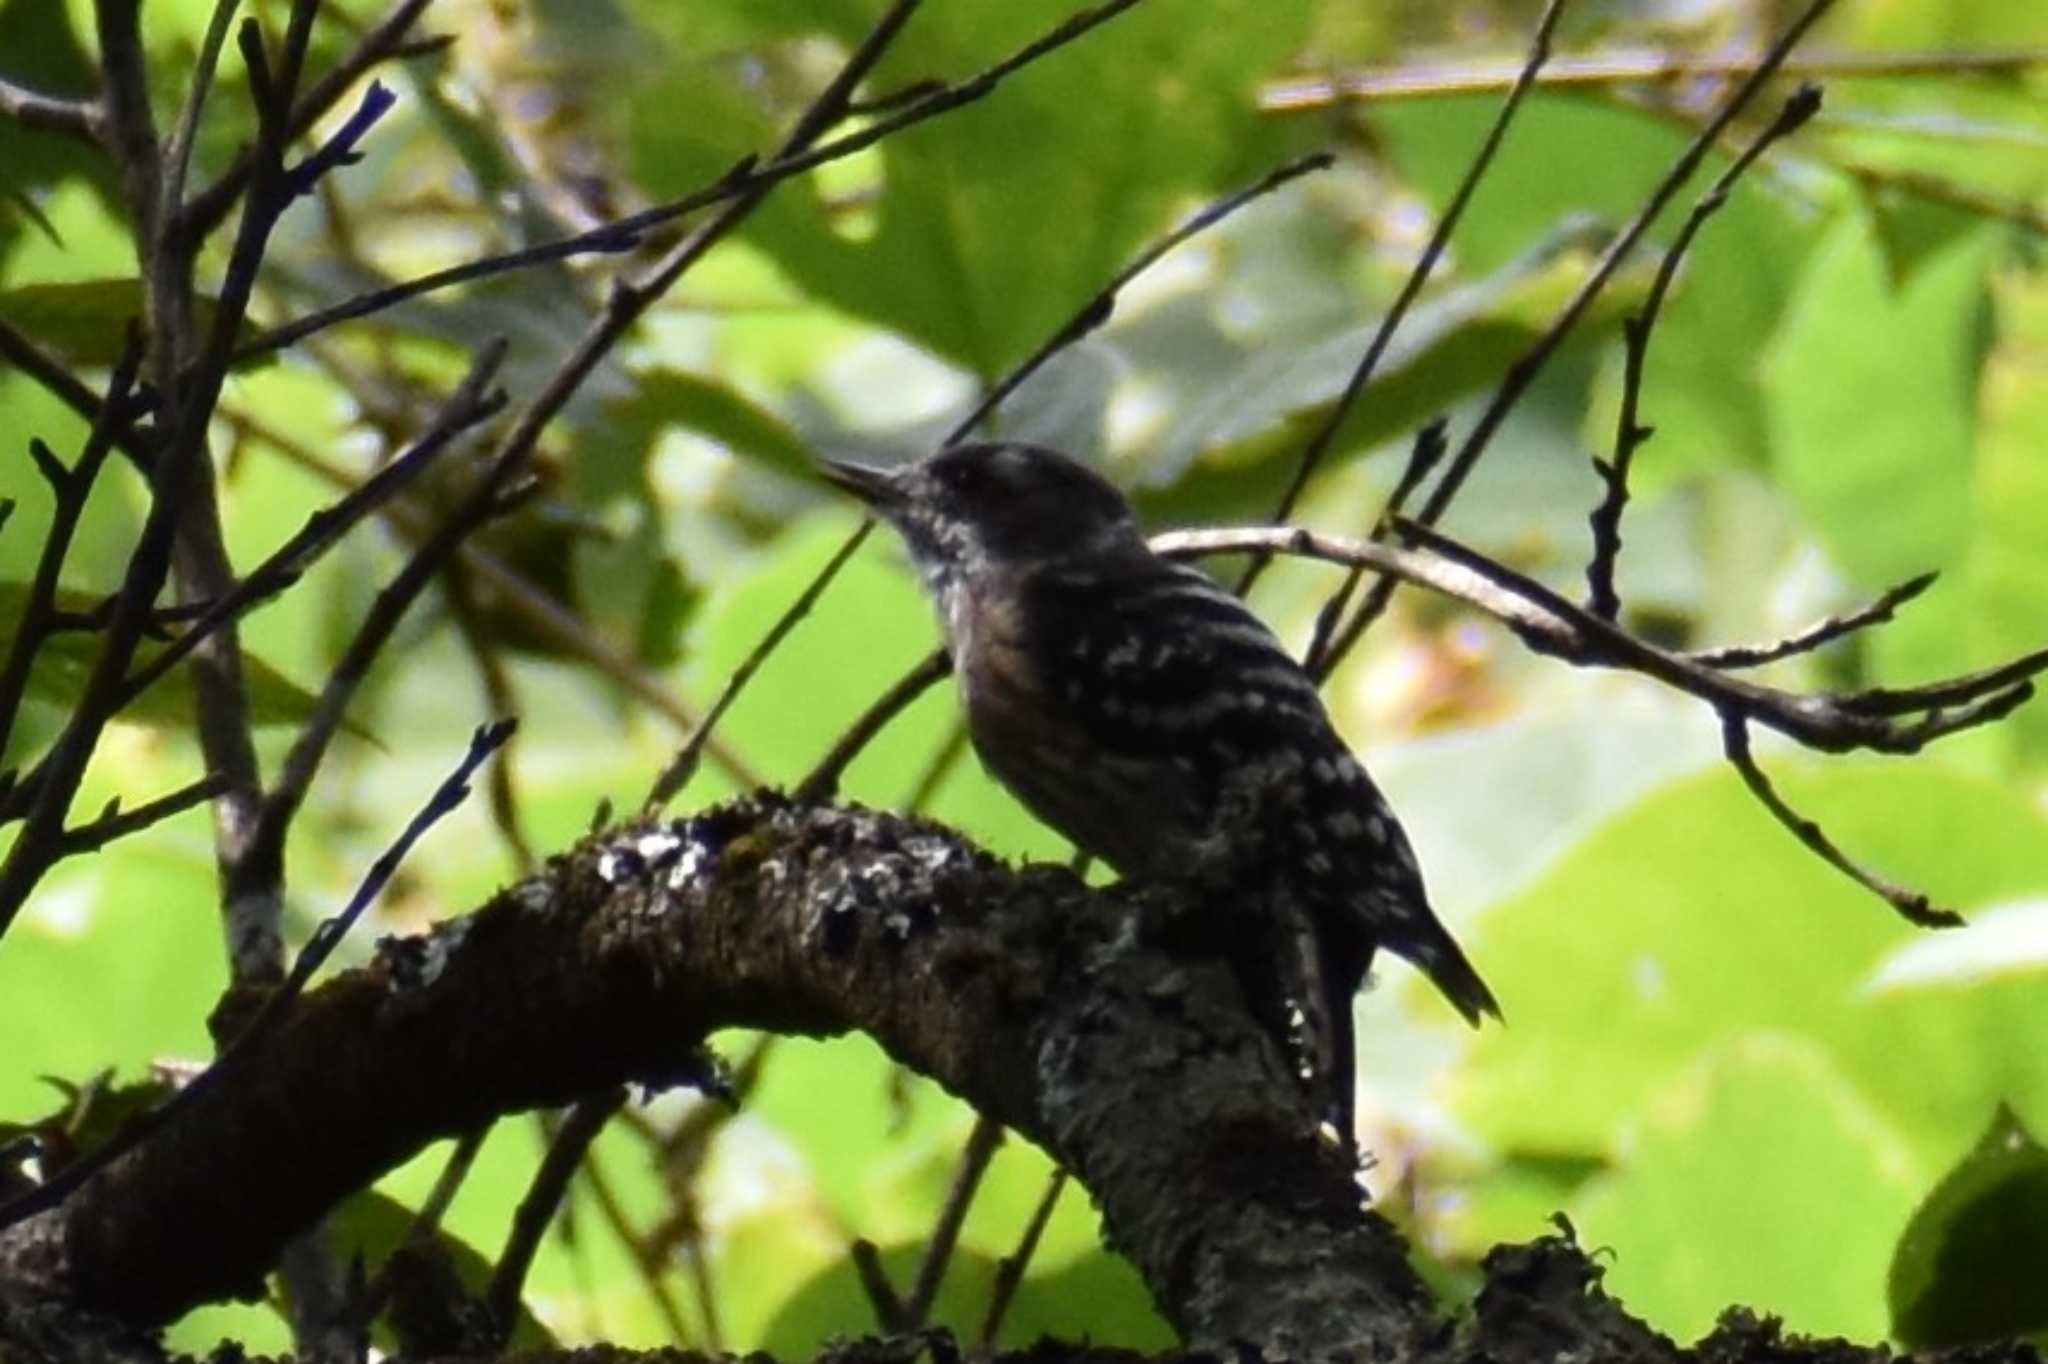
point(1149, 716)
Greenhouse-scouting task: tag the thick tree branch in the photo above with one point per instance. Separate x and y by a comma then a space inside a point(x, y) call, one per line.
point(1137, 1066)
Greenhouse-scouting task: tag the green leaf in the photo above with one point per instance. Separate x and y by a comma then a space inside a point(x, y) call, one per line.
point(1971, 1263)
point(1874, 439)
point(978, 233)
point(1760, 1176)
point(1693, 918)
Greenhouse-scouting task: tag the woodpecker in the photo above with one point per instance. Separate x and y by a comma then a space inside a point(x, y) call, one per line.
point(1148, 715)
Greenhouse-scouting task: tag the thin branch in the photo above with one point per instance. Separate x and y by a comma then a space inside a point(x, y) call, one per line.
point(1010, 1269)
point(1815, 636)
point(116, 823)
point(683, 766)
point(209, 208)
point(1887, 721)
point(543, 1197)
point(1530, 363)
point(620, 1223)
point(485, 501)
point(535, 606)
point(69, 489)
point(40, 113)
point(1630, 433)
point(981, 1147)
point(604, 240)
point(55, 377)
point(1424, 454)
point(1913, 905)
point(1429, 80)
point(502, 698)
point(1102, 304)
point(178, 155)
point(1318, 446)
point(823, 779)
point(426, 1221)
point(874, 1282)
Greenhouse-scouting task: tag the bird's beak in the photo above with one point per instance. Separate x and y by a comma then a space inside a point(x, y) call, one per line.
point(876, 487)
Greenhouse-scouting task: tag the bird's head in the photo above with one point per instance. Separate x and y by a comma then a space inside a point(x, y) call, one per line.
point(971, 508)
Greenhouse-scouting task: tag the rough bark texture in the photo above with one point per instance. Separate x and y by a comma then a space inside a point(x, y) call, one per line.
point(1083, 1019)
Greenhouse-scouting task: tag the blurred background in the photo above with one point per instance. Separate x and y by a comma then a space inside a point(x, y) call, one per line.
point(1724, 1061)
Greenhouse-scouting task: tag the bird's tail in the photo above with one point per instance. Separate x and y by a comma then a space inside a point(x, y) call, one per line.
point(1439, 957)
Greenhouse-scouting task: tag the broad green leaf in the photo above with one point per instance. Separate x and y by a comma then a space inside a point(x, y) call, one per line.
point(1875, 439)
point(1971, 1263)
point(1760, 1177)
point(989, 226)
point(1988, 606)
point(1693, 918)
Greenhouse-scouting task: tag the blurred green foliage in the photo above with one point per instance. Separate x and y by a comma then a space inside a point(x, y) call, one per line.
point(1725, 1062)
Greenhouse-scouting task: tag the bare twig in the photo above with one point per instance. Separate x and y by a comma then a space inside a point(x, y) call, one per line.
point(1824, 633)
point(69, 490)
point(620, 1222)
point(209, 208)
point(115, 822)
point(1428, 80)
point(17, 350)
point(534, 605)
point(1424, 454)
point(1318, 446)
point(1887, 721)
point(537, 1209)
point(874, 1281)
point(1913, 905)
point(426, 1221)
point(42, 113)
point(1010, 1269)
point(1880, 720)
point(683, 766)
point(823, 779)
point(1530, 363)
point(178, 155)
point(486, 500)
point(1630, 433)
point(502, 698)
point(938, 1251)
